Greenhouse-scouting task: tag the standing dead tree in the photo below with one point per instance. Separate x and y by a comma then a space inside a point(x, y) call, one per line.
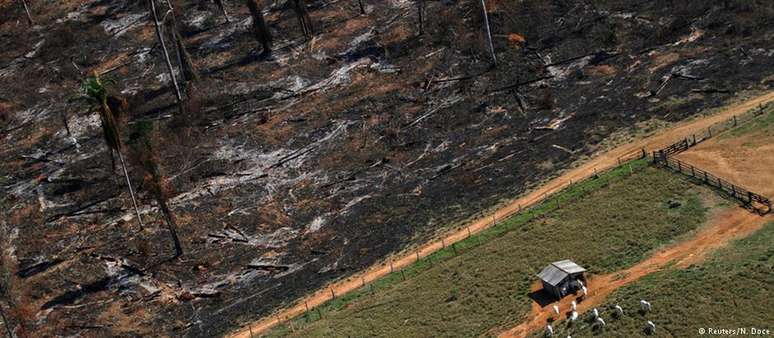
point(223, 10)
point(260, 29)
point(143, 154)
point(27, 10)
point(421, 15)
point(304, 20)
point(188, 72)
point(97, 95)
point(362, 8)
point(160, 37)
point(489, 33)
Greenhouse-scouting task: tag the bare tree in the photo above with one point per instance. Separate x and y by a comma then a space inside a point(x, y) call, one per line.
point(421, 15)
point(223, 9)
point(144, 154)
point(489, 34)
point(188, 72)
point(261, 30)
point(304, 20)
point(27, 10)
point(160, 37)
point(362, 8)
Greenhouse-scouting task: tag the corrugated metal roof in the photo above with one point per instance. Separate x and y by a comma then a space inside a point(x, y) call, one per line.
point(568, 266)
point(552, 275)
point(558, 271)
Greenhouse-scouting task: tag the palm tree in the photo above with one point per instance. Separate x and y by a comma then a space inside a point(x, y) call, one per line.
point(142, 153)
point(261, 30)
point(96, 94)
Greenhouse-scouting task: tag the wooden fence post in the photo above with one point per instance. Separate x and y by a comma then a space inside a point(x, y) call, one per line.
point(403, 273)
point(706, 179)
point(454, 247)
point(333, 295)
point(417, 255)
point(468, 232)
point(709, 131)
point(734, 120)
point(391, 268)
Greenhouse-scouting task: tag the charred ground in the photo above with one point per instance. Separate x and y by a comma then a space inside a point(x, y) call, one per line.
point(308, 166)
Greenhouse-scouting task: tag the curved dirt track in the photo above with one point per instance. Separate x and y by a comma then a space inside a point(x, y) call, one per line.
point(603, 161)
point(727, 225)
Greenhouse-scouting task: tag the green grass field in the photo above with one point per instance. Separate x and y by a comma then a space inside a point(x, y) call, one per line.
point(605, 224)
point(732, 289)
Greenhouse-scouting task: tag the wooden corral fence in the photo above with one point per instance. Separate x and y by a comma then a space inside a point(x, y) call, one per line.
point(749, 199)
point(663, 157)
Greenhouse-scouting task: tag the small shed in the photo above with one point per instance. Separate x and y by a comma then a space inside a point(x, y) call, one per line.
point(561, 278)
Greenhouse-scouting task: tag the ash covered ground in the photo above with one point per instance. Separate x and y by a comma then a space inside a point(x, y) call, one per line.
point(294, 170)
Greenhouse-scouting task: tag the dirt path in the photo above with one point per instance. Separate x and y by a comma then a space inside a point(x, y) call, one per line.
point(723, 227)
point(601, 162)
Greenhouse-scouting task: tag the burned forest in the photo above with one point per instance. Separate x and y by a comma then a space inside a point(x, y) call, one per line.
point(181, 168)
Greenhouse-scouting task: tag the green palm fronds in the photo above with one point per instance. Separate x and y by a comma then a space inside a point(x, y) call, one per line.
point(96, 94)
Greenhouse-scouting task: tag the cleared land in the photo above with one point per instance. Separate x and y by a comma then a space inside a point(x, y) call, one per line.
point(620, 219)
point(743, 154)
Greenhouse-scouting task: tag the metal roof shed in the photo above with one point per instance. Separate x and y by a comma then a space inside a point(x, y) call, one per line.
point(557, 278)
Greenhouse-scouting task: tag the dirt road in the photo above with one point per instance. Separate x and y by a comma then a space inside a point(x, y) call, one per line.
point(601, 162)
point(727, 225)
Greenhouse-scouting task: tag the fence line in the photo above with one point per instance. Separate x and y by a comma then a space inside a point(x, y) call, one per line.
point(661, 156)
point(749, 199)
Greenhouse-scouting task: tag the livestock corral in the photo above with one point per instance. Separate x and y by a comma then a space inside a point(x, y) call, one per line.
point(264, 176)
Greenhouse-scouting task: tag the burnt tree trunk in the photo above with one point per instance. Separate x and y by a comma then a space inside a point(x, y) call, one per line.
point(169, 218)
point(27, 10)
point(5, 322)
point(160, 37)
point(489, 33)
point(299, 6)
point(223, 9)
point(185, 64)
point(421, 16)
point(260, 29)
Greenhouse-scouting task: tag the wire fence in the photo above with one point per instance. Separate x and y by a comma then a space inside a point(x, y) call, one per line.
point(411, 263)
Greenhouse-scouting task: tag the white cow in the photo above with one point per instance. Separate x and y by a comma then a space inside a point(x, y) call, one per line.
point(601, 322)
point(574, 316)
point(556, 309)
point(619, 310)
point(585, 291)
point(574, 305)
point(596, 313)
point(650, 327)
point(549, 330)
point(644, 305)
